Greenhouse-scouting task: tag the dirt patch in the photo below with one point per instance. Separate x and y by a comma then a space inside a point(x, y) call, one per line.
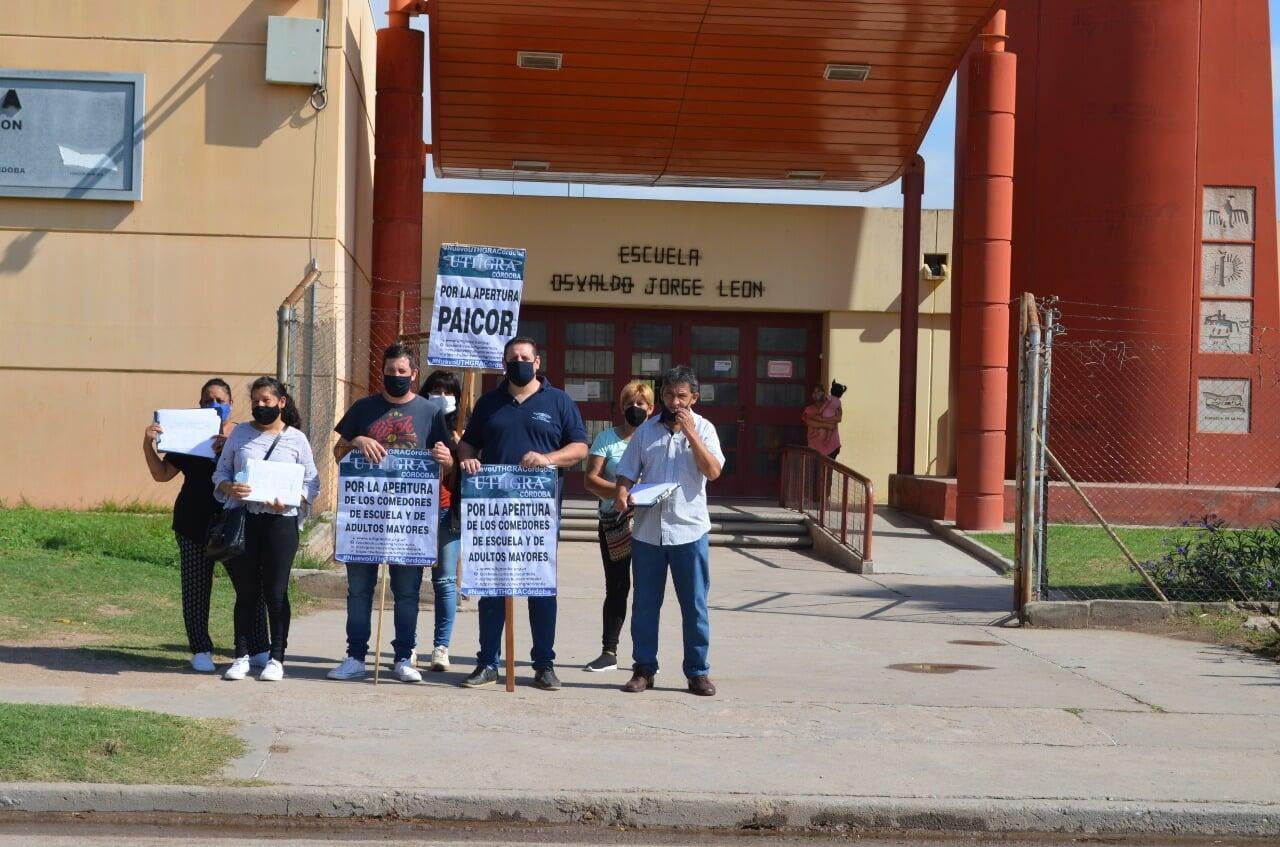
point(1223, 630)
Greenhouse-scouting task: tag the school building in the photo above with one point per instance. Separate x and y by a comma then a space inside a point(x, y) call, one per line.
point(113, 307)
point(197, 189)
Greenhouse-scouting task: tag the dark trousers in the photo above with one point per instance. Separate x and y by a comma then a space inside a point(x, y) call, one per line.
point(261, 575)
point(617, 587)
point(197, 586)
point(542, 626)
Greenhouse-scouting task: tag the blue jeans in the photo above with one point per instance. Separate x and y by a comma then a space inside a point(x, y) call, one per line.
point(406, 585)
point(690, 566)
point(444, 581)
point(542, 623)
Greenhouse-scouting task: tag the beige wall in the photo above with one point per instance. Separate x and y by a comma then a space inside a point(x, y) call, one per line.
point(109, 310)
point(842, 262)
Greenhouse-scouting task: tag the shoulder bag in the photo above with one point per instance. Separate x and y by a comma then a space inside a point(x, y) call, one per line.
point(226, 530)
point(616, 528)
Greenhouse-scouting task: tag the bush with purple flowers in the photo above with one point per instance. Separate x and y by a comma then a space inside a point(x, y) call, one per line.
point(1213, 562)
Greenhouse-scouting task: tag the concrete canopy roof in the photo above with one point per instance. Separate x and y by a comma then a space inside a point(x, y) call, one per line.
point(691, 92)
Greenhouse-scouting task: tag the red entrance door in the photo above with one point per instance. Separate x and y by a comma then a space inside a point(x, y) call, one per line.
point(755, 370)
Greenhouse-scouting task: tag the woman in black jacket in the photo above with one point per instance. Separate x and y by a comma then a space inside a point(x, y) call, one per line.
point(192, 511)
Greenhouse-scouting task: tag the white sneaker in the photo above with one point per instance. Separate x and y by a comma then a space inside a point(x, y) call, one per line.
point(440, 658)
point(406, 672)
point(351, 668)
point(239, 669)
point(273, 672)
point(259, 660)
point(202, 662)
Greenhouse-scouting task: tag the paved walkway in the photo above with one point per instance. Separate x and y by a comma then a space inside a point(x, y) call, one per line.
point(820, 695)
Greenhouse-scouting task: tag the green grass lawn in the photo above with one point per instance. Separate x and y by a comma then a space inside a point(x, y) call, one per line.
point(93, 744)
point(1086, 559)
point(107, 580)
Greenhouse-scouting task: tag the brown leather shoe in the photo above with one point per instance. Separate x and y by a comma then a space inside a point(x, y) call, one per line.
point(638, 682)
point(702, 686)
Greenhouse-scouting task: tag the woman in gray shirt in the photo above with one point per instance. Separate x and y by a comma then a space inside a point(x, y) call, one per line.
point(271, 529)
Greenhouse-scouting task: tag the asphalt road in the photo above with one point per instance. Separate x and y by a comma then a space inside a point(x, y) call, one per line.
point(96, 831)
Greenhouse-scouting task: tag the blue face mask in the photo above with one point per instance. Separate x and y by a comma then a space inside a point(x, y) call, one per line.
point(223, 409)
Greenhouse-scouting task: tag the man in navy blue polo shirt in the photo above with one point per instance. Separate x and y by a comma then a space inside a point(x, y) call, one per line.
point(527, 422)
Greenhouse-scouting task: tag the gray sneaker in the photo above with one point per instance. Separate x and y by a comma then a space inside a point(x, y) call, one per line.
point(547, 680)
point(481, 677)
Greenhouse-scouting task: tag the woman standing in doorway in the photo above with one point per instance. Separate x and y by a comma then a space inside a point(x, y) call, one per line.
point(271, 529)
point(636, 402)
point(192, 511)
point(822, 420)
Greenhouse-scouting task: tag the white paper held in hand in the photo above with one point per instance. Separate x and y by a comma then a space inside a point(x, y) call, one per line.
point(189, 431)
point(652, 493)
point(270, 481)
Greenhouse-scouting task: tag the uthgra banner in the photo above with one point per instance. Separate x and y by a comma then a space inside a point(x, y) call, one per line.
point(477, 305)
point(388, 512)
point(510, 524)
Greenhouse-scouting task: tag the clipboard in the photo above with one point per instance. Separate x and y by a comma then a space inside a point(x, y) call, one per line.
point(652, 493)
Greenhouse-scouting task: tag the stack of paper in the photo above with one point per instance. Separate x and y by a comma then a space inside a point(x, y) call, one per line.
point(271, 481)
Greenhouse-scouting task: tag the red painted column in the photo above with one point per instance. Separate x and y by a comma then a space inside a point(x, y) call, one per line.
point(909, 314)
point(399, 168)
point(986, 240)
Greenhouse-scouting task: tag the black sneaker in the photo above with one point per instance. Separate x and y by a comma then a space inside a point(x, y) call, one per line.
point(605, 662)
point(547, 680)
point(480, 677)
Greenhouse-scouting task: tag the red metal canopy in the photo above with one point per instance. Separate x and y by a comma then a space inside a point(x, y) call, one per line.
point(691, 92)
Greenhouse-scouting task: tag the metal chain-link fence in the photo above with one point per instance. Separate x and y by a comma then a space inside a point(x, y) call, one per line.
point(1148, 464)
point(328, 355)
point(308, 363)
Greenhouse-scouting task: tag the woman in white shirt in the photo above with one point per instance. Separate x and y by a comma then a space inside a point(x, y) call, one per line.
point(271, 529)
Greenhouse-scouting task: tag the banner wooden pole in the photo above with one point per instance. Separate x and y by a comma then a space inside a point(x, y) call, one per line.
point(382, 607)
point(470, 390)
point(511, 643)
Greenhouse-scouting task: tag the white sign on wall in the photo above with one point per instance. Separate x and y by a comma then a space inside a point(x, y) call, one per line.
point(73, 135)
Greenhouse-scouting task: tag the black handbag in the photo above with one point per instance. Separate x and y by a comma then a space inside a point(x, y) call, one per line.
point(226, 535)
point(226, 530)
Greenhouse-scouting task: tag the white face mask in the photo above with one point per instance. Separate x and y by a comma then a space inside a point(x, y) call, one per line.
point(450, 403)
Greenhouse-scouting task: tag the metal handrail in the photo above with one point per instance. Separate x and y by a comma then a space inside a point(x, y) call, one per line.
point(814, 473)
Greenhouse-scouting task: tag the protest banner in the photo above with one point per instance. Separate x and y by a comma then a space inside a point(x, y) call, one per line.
point(387, 514)
point(510, 528)
point(476, 310)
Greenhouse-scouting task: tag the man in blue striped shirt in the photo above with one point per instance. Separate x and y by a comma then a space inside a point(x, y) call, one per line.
point(677, 446)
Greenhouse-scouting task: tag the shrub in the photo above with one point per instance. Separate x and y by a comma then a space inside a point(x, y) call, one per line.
point(1214, 562)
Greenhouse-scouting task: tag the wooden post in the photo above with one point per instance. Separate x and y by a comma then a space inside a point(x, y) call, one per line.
point(466, 403)
point(383, 576)
point(510, 647)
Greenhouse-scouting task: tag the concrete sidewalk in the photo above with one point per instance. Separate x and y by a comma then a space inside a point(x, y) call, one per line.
point(832, 686)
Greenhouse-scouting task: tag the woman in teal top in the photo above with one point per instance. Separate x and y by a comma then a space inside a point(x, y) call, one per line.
point(636, 402)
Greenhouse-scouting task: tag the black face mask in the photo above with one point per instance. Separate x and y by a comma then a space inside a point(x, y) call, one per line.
point(635, 415)
point(667, 416)
point(265, 415)
point(396, 386)
point(519, 373)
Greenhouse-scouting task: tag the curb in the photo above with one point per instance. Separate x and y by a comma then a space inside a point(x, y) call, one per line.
point(947, 531)
point(658, 809)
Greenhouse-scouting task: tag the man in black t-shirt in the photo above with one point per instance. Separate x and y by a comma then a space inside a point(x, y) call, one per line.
point(395, 419)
